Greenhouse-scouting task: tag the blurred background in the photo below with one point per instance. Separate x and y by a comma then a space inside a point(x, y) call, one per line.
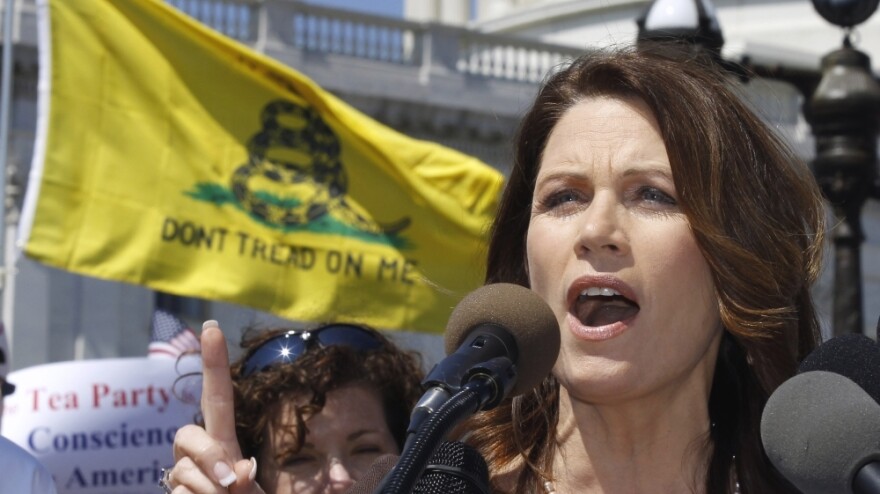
point(457, 72)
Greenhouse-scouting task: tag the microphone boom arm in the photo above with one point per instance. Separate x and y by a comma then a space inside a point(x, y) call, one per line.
point(481, 390)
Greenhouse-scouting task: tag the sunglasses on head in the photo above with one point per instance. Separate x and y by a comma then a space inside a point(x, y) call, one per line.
point(287, 347)
point(6, 387)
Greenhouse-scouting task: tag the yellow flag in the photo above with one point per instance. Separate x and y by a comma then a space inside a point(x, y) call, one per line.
point(170, 156)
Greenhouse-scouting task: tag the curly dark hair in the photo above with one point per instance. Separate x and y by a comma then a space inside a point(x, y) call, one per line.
point(394, 373)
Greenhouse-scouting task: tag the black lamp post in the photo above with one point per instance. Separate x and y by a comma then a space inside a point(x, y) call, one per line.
point(844, 113)
point(688, 23)
point(842, 105)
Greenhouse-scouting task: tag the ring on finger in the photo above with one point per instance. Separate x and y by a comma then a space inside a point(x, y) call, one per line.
point(165, 481)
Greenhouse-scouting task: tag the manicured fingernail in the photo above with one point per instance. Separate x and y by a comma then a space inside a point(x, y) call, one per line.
point(210, 323)
point(253, 473)
point(224, 474)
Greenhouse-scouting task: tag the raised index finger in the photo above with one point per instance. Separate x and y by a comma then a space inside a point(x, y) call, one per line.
point(217, 401)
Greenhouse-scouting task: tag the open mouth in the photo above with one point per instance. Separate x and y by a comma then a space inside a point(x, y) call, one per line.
point(597, 306)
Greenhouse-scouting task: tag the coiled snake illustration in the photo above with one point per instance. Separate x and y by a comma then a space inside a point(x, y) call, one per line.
point(304, 155)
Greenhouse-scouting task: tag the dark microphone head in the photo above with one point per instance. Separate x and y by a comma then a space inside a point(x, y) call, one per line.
point(368, 482)
point(818, 429)
point(853, 356)
point(523, 313)
point(454, 468)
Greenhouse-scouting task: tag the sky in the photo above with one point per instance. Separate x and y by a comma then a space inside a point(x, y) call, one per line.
point(388, 8)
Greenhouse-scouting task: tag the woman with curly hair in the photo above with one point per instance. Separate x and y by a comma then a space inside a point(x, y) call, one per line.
point(313, 408)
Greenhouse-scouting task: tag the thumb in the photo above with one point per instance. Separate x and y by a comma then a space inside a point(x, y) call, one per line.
point(246, 474)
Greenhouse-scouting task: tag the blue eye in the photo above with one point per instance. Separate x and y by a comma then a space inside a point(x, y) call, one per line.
point(563, 202)
point(561, 198)
point(653, 194)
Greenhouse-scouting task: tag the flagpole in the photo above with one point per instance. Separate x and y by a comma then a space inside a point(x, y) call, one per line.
point(5, 102)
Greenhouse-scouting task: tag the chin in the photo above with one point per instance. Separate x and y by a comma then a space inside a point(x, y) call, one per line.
point(594, 375)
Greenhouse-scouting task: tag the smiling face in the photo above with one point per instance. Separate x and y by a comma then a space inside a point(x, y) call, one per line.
point(342, 441)
point(613, 255)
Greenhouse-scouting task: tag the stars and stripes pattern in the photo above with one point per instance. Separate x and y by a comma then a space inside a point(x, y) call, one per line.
point(171, 337)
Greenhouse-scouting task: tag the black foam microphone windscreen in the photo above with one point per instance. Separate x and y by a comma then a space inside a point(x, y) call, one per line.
point(454, 468)
point(819, 430)
point(853, 356)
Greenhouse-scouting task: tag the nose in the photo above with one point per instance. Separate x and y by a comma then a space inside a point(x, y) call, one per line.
point(602, 229)
point(339, 476)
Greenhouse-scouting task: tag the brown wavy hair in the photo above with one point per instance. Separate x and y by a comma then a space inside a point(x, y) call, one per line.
point(757, 216)
point(396, 375)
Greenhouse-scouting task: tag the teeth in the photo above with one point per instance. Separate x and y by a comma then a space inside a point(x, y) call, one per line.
point(595, 291)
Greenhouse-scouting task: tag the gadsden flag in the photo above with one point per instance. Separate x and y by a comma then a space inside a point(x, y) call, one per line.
point(170, 156)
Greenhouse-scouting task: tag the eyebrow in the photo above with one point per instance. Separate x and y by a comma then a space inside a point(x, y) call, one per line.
point(629, 172)
point(652, 172)
point(356, 434)
point(351, 437)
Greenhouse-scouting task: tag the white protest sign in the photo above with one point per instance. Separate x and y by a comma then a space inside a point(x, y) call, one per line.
point(102, 426)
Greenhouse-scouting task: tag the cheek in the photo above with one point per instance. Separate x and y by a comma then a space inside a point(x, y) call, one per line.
point(690, 262)
point(360, 464)
point(670, 252)
point(681, 273)
point(540, 255)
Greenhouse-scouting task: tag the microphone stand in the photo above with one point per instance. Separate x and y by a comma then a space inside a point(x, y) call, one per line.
point(481, 391)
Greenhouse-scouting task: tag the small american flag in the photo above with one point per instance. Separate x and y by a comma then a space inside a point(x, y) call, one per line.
point(171, 337)
point(4, 353)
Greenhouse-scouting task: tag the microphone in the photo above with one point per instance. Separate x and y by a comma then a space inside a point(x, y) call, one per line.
point(822, 432)
point(854, 356)
point(455, 468)
point(486, 335)
point(501, 339)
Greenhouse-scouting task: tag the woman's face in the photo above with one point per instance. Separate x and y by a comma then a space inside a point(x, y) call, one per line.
point(341, 443)
point(613, 255)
